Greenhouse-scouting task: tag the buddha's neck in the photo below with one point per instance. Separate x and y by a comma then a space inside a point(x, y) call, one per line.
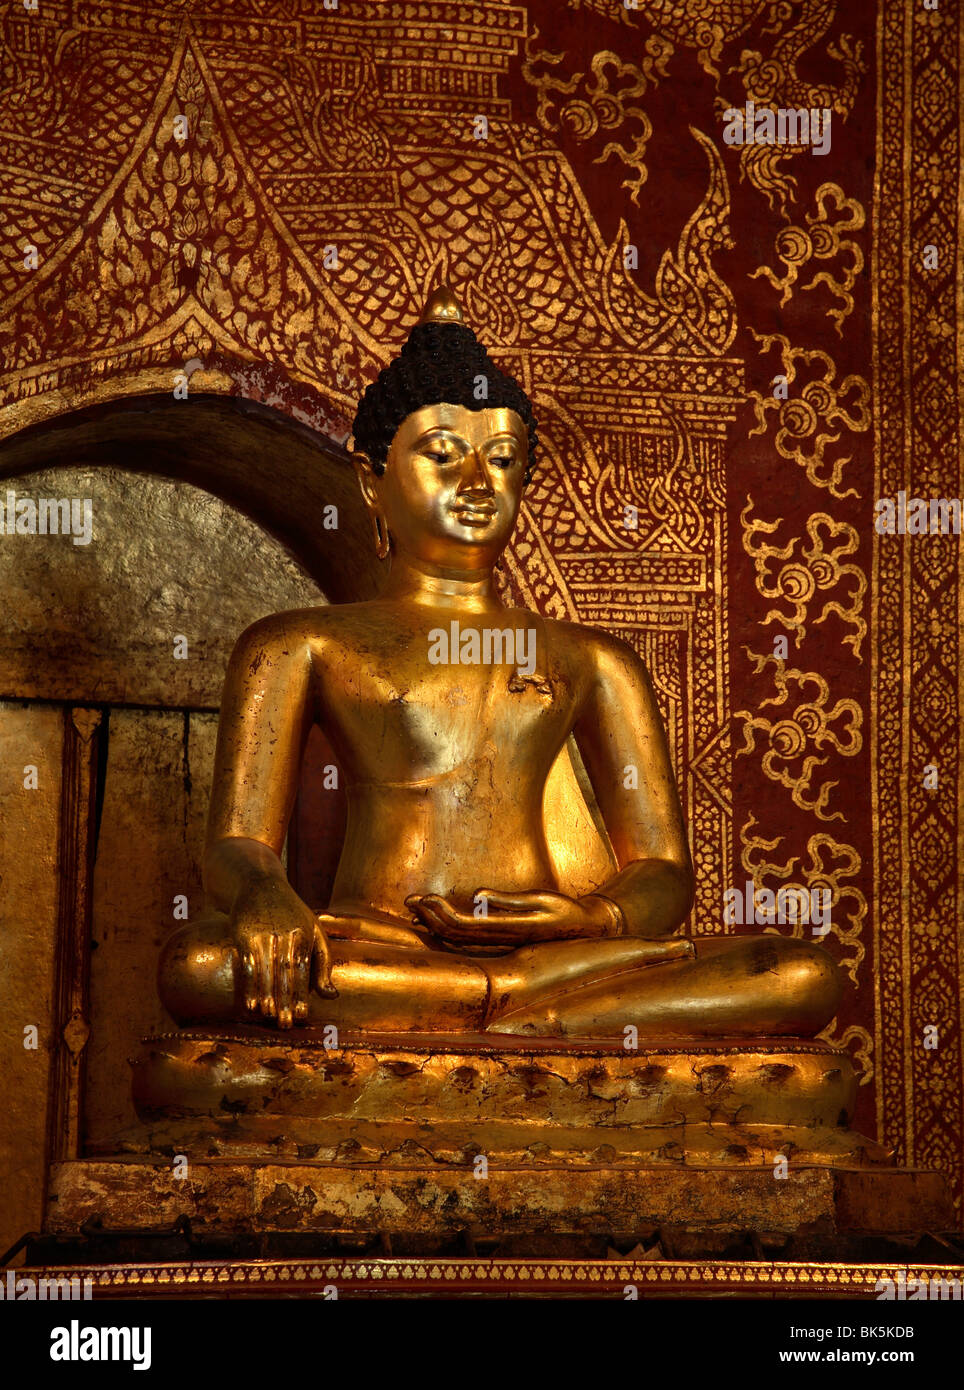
point(416, 581)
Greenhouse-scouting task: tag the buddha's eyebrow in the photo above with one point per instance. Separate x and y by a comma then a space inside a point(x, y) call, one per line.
point(442, 434)
point(439, 433)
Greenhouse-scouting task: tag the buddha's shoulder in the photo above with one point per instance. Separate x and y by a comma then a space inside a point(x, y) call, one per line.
point(293, 627)
point(590, 646)
point(296, 627)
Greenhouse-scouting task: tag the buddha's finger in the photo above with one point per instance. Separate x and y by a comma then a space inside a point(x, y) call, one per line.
point(665, 948)
point(439, 924)
point(454, 916)
point(300, 978)
point(282, 987)
point(515, 902)
point(258, 957)
point(321, 966)
point(249, 980)
point(268, 959)
point(414, 904)
point(504, 928)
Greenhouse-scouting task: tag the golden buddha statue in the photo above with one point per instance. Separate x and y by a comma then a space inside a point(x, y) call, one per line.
point(447, 712)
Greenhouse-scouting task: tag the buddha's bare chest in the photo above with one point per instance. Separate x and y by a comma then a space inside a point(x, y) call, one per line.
point(408, 720)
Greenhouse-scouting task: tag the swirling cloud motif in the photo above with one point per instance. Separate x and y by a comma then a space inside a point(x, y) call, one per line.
point(587, 103)
point(821, 239)
point(703, 26)
point(815, 400)
point(802, 576)
point(793, 744)
point(828, 864)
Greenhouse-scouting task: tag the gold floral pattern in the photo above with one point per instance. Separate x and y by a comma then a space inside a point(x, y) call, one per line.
point(803, 576)
point(821, 239)
point(829, 862)
point(812, 725)
point(600, 100)
point(803, 422)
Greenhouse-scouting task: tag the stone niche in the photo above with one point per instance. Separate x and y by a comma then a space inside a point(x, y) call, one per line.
point(191, 536)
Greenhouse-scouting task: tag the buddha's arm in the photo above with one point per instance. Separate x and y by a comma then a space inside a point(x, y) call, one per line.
point(261, 731)
point(622, 742)
point(265, 716)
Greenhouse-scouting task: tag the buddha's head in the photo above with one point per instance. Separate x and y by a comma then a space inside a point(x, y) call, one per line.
point(444, 444)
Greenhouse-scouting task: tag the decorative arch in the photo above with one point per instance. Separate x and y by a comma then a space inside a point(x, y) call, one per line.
point(280, 472)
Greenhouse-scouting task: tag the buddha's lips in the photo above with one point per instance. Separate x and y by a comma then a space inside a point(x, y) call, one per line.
point(474, 512)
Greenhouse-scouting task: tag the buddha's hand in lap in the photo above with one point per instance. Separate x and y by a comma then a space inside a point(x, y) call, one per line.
point(511, 919)
point(284, 952)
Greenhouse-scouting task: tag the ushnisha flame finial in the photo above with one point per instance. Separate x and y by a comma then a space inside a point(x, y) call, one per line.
point(442, 307)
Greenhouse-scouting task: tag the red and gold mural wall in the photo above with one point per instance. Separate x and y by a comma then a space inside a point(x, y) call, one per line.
point(734, 351)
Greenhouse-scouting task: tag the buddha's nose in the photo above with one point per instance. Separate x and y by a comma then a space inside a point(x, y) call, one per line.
point(475, 475)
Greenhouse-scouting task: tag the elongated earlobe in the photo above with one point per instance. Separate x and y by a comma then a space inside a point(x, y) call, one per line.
point(366, 481)
point(382, 542)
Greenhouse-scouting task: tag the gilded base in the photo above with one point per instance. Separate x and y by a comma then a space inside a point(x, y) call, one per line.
point(228, 1201)
point(425, 1138)
point(383, 1100)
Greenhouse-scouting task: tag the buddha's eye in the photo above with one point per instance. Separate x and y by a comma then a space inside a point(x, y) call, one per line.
point(502, 460)
point(437, 454)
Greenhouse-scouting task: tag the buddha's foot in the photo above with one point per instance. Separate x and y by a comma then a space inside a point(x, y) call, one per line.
point(751, 986)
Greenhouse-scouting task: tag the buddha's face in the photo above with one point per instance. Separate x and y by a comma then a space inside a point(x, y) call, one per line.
point(452, 484)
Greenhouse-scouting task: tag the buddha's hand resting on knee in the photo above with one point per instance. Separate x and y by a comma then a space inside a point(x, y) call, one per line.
point(283, 951)
point(514, 919)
